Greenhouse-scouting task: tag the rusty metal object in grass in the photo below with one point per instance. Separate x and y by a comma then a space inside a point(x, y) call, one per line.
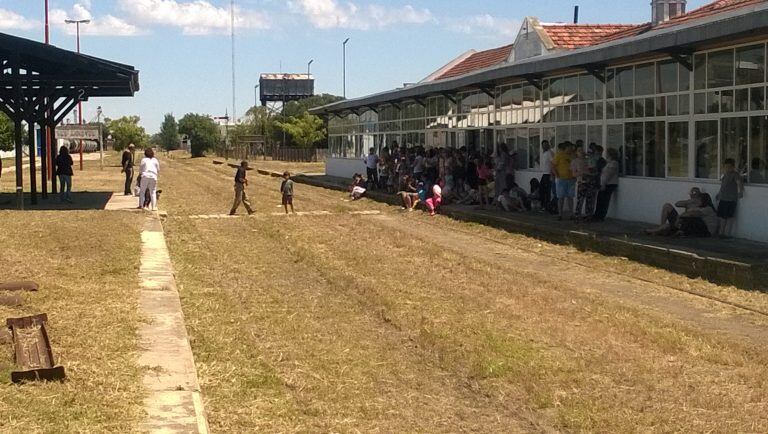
point(32, 350)
point(22, 285)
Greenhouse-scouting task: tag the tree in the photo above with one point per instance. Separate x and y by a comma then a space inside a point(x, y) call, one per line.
point(169, 133)
point(298, 108)
point(6, 133)
point(202, 131)
point(126, 130)
point(305, 130)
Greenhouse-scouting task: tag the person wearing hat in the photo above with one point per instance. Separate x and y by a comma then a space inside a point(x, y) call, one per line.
point(127, 167)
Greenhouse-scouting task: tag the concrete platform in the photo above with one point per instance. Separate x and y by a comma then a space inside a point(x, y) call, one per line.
point(737, 262)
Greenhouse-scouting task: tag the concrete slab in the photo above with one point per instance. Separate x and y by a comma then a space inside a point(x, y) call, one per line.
point(173, 402)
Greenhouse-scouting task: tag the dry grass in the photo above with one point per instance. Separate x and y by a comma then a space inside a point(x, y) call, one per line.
point(86, 264)
point(341, 323)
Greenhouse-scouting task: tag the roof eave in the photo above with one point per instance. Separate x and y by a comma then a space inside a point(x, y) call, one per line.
point(719, 27)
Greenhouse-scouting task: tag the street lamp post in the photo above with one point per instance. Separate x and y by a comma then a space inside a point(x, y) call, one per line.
point(79, 104)
point(344, 67)
point(309, 68)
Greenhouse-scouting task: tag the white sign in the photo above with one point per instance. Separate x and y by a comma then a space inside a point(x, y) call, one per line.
point(78, 132)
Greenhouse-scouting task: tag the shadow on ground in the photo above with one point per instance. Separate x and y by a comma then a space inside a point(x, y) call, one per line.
point(81, 200)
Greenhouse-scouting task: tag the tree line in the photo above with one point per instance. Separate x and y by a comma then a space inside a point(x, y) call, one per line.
point(294, 124)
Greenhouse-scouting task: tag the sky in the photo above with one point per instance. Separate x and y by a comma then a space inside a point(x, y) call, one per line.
point(182, 48)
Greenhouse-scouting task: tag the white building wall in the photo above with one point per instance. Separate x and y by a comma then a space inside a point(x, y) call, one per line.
point(344, 167)
point(641, 199)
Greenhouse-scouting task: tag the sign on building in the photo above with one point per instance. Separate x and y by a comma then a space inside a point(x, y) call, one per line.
point(78, 132)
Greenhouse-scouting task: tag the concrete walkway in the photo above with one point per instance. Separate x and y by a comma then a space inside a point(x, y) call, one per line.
point(173, 402)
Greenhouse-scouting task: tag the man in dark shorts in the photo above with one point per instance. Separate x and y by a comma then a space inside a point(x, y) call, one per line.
point(731, 190)
point(286, 188)
point(240, 196)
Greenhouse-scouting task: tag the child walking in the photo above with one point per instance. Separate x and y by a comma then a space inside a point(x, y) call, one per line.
point(286, 188)
point(731, 190)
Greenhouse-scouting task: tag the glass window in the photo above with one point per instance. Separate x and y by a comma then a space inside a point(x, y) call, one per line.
point(571, 89)
point(625, 82)
point(609, 83)
point(599, 85)
point(654, 149)
point(586, 87)
point(700, 103)
point(595, 134)
point(733, 141)
point(619, 109)
point(706, 149)
point(677, 155)
point(726, 101)
point(713, 102)
point(639, 107)
point(629, 109)
point(556, 89)
point(599, 111)
point(684, 76)
point(579, 132)
point(672, 104)
point(757, 98)
point(661, 106)
point(742, 100)
point(650, 108)
point(633, 149)
point(614, 139)
point(700, 71)
point(758, 149)
point(534, 139)
point(667, 76)
point(609, 110)
point(750, 64)
point(720, 68)
point(644, 79)
point(521, 149)
point(684, 105)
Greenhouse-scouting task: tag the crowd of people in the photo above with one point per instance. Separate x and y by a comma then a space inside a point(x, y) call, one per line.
point(578, 183)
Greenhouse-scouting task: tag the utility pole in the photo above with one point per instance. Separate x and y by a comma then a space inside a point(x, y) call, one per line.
point(309, 68)
point(344, 66)
point(79, 103)
point(232, 19)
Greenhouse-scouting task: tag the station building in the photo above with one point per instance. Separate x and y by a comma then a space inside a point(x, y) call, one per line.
point(675, 96)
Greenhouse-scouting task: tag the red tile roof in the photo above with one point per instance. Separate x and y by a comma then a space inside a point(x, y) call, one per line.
point(479, 60)
point(571, 36)
point(714, 8)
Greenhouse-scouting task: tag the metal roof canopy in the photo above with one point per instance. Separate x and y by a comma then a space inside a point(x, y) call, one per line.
point(671, 40)
point(40, 84)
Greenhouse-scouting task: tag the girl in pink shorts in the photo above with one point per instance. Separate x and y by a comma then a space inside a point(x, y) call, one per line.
point(436, 200)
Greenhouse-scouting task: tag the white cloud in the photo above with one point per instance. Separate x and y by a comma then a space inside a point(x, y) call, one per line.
point(198, 17)
point(107, 25)
point(485, 25)
point(11, 20)
point(328, 14)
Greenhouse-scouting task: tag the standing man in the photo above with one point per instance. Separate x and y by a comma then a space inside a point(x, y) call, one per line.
point(240, 196)
point(127, 164)
point(565, 182)
point(545, 191)
point(371, 168)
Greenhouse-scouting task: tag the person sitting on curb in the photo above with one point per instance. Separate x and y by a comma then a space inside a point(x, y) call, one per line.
point(669, 214)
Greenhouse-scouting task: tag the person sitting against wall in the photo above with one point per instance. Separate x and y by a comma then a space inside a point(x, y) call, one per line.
point(357, 189)
point(408, 192)
point(669, 214)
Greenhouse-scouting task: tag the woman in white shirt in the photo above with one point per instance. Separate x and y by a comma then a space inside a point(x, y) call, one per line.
point(149, 170)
